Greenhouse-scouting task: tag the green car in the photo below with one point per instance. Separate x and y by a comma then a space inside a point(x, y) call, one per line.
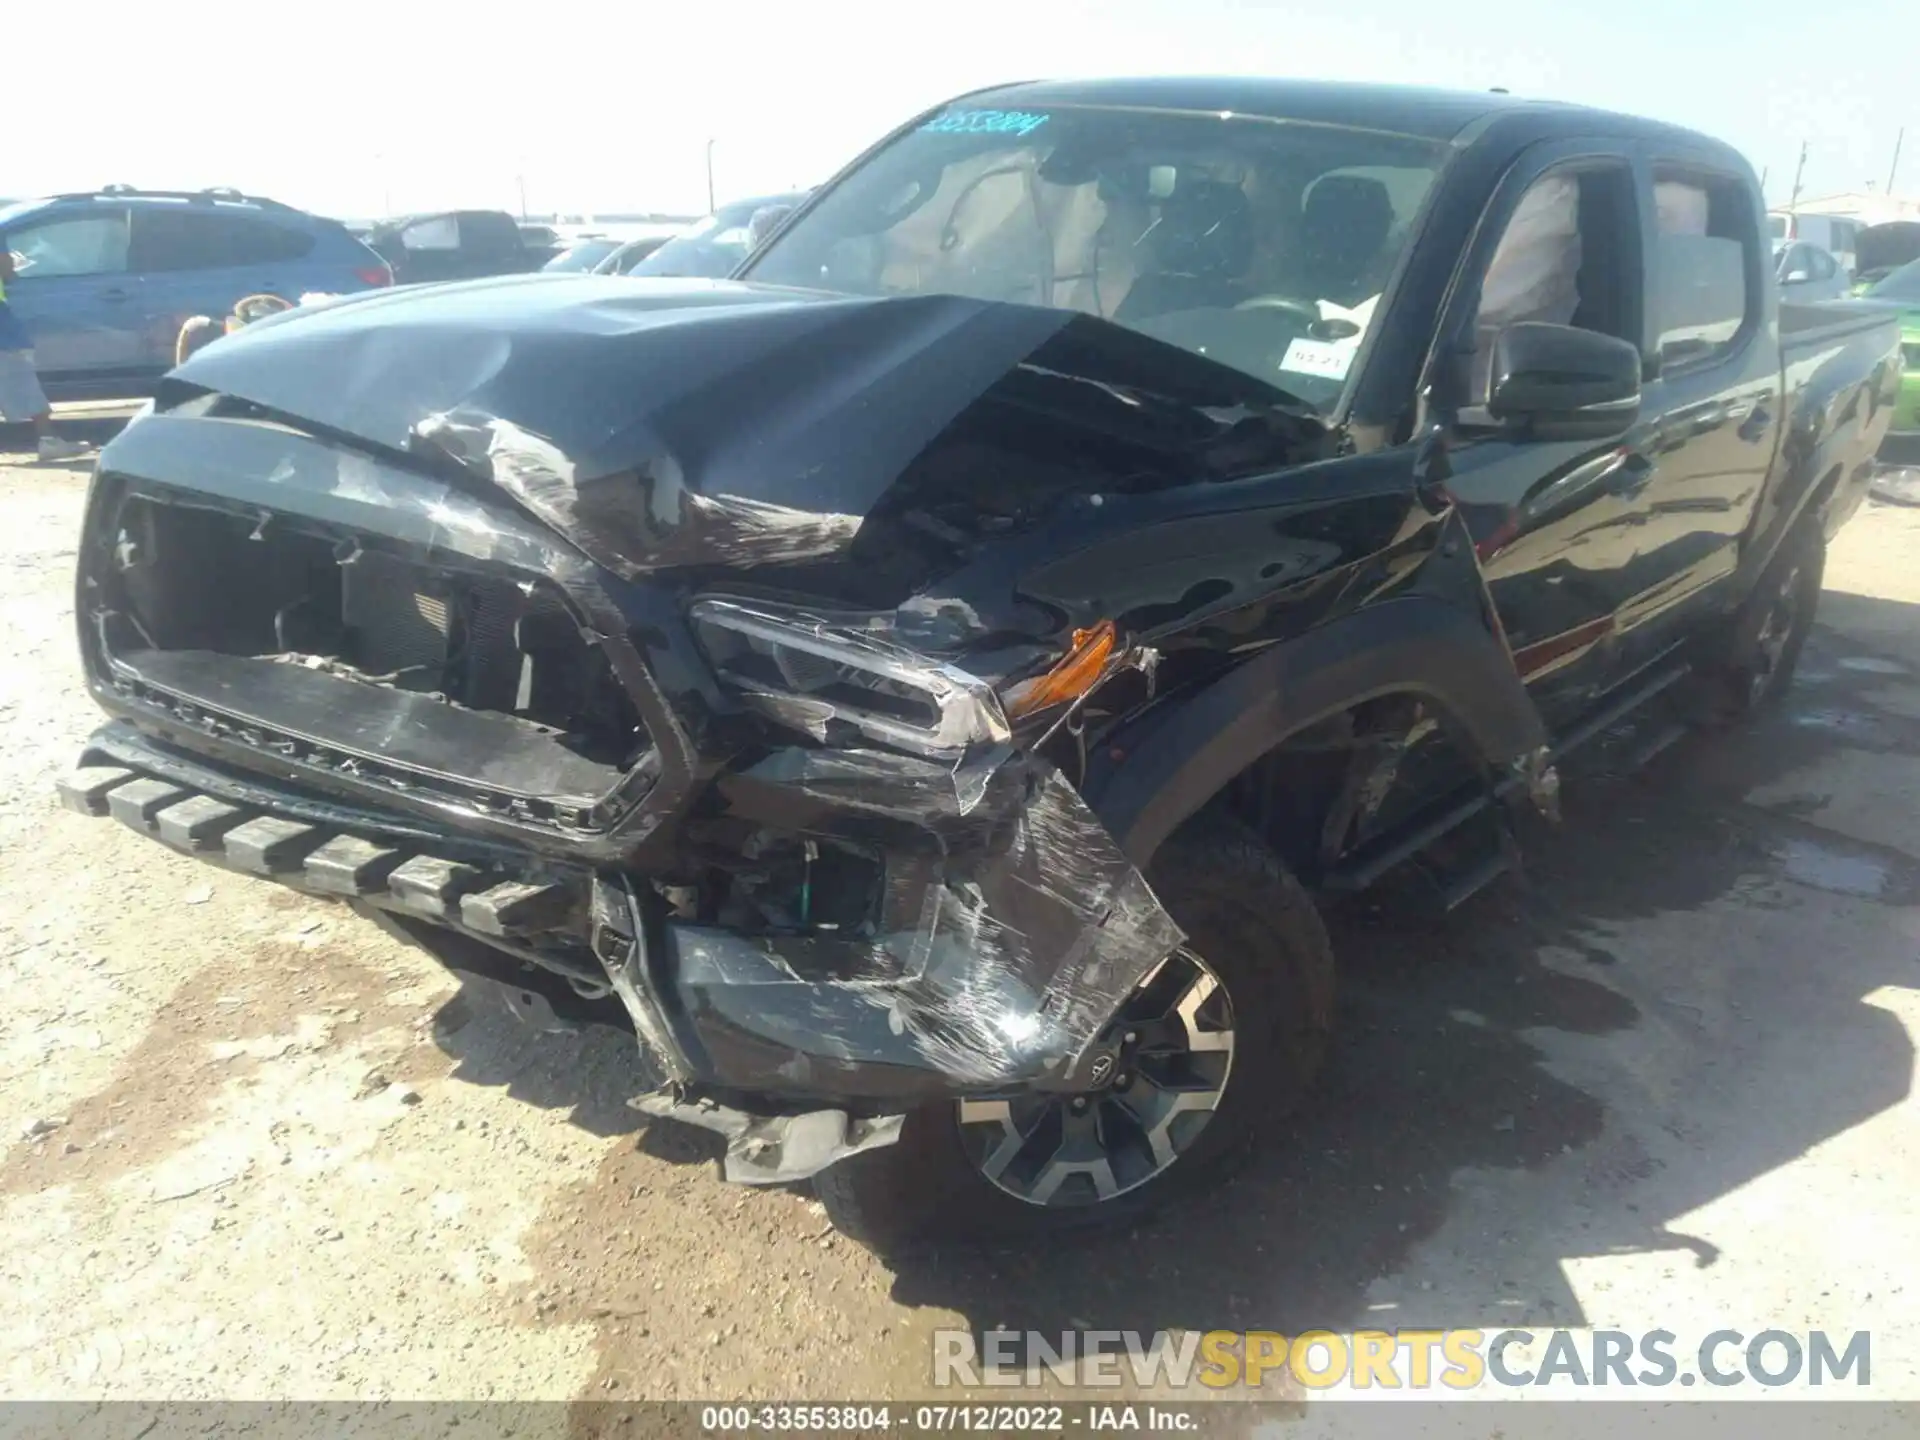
point(1901, 449)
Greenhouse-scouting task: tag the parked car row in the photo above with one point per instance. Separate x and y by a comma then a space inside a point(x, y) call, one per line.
point(108, 279)
point(1821, 257)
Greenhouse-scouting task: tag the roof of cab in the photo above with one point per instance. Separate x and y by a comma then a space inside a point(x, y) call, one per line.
point(1433, 114)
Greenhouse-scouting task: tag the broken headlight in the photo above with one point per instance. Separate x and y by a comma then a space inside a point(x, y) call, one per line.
point(811, 672)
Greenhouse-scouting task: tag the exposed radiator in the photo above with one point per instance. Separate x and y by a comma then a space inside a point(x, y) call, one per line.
point(492, 678)
point(395, 619)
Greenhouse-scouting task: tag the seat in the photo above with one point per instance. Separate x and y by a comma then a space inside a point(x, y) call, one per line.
point(1344, 224)
point(1195, 254)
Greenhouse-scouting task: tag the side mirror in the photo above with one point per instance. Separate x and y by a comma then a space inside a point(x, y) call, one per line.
point(1553, 382)
point(1796, 277)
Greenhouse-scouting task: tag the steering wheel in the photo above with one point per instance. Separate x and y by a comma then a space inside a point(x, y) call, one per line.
point(1304, 309)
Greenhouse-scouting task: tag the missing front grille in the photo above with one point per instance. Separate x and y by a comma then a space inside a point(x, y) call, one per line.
point(274, 588)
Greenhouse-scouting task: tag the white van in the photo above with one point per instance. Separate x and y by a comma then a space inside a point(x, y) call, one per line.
point(1833, 233)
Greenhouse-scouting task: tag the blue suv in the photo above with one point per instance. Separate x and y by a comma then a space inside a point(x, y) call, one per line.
point(106, 278)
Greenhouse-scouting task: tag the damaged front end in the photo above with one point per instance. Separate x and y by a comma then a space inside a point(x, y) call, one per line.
point(820, 867)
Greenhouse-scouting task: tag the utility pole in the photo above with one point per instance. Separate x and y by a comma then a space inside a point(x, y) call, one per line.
point(1765, 170)
point(711, 206)
point(1895, 166)
point(1793, 200)
point(521, 181)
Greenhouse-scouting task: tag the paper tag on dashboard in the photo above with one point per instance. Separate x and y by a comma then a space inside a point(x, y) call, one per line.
point(1326, 358)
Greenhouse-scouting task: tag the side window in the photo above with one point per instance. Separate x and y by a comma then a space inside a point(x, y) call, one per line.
point(92, 244)
point(1823, 266)
point(260, 242)
point(1704, 238)
point(181, 239)
point(442, 232)
point(1567, 256)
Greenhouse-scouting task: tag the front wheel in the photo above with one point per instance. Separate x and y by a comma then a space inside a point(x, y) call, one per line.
point(1226, 1032)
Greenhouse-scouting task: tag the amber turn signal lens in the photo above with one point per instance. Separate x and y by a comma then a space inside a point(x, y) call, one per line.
point(1077, 673)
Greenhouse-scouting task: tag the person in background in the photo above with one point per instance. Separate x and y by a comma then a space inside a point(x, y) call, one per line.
point(22, 401)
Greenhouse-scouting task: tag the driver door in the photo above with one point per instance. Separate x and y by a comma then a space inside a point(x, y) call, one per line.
point(73, 293)
point(1556, 523)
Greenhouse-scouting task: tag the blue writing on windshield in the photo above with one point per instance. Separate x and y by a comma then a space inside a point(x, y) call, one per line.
point(985, 122)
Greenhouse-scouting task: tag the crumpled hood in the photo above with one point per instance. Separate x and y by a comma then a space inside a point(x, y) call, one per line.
point(664, 423)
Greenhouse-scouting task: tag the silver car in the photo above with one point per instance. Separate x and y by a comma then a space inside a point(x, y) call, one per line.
point(1808, 272)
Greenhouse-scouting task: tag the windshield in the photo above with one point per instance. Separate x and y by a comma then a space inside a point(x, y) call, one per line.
point(629, 255)
point(1261, 244)
point(711, 248)
point(1902, 285)
point(582, 256)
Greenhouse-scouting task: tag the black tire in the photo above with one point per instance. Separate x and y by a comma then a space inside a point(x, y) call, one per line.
point(1260, 935)
point(1764, 640)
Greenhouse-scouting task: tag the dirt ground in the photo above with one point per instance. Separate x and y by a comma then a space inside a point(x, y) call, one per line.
point(1661, 1081)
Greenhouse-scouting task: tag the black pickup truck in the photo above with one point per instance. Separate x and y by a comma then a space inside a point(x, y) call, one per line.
point(455, 245)
point(925, 685)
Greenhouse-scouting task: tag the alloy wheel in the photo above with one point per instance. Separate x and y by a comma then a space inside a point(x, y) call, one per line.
point(1776, 633)
point(1171, 1052)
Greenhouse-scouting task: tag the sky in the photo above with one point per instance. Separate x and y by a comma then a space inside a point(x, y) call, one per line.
point(357, 109)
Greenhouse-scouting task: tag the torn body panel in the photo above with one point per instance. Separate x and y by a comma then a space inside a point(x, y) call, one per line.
point(992, 961)
point(988, 964)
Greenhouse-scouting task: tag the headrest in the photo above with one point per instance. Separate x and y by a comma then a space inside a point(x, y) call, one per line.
point(1348, 212)
point(1205, 227)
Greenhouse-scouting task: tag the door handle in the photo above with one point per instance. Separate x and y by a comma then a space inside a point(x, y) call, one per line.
point(1759, 420)
point(1630, 478)
point(113, 296)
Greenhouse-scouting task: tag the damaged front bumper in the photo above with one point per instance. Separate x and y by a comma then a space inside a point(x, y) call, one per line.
point(997, 951)
point(363, 678)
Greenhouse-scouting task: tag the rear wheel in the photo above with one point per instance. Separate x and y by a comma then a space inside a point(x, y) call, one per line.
point(1227, 1032)
point(1769, 632)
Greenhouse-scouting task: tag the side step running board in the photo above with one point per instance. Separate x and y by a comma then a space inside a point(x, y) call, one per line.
point(1503, 859)
point(1369, 864)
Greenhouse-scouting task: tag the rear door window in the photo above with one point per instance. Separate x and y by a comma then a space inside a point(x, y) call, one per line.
point(165, 239)
point(91, 244)
point(1706, 255)
point(442, 232)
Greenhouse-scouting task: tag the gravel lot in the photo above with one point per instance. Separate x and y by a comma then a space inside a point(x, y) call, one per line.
point(1663, 1080)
